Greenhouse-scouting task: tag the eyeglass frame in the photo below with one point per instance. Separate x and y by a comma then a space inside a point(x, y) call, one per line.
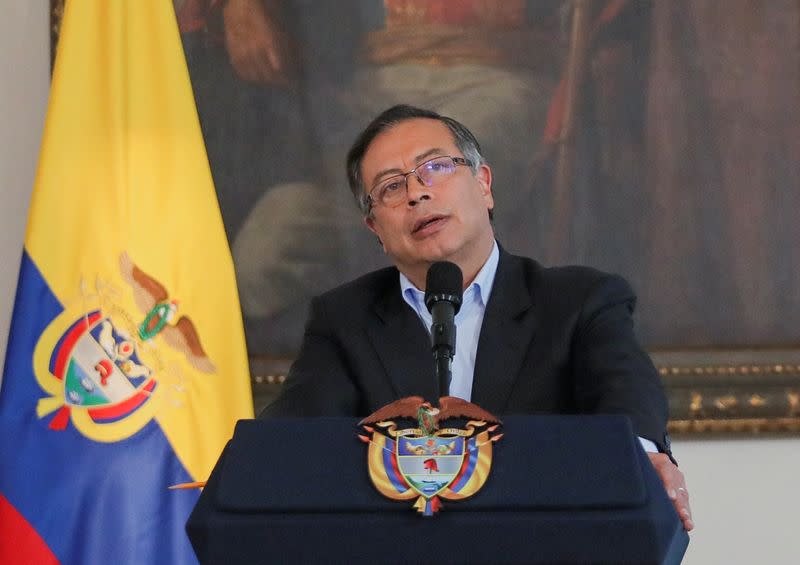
point(456, 161)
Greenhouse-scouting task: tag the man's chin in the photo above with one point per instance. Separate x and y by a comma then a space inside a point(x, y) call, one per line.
point(438, 252)
point(426, 253)
point(449, 257)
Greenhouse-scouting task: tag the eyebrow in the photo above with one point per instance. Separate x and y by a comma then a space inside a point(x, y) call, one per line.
point(417, 160)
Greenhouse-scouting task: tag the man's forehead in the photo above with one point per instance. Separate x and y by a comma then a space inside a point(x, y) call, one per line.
point(410, 141)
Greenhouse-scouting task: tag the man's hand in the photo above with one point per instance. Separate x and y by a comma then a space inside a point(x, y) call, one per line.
point(675, 485)
point(257, 48)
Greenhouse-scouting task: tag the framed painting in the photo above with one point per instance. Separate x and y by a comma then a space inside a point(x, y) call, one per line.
point(657, 140)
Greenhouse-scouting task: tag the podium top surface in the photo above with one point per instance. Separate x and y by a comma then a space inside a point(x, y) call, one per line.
point(543, 462)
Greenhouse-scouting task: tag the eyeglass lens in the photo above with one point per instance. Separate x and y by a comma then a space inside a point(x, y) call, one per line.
point(430, 173)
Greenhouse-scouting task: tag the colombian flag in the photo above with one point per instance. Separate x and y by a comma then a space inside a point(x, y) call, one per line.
point(126, 366)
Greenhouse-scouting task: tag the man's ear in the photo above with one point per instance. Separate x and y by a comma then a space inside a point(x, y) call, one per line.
point(370, 223)
point(484, 177)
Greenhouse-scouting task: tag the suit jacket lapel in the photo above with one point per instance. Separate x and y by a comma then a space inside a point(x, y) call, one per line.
point(403, 346)
point(508, 327)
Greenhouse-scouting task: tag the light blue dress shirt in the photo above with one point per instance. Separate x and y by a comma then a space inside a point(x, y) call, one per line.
point(468, 323)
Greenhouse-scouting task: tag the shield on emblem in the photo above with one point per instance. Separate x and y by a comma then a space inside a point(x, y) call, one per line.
point(100, 369)
point(430, 463)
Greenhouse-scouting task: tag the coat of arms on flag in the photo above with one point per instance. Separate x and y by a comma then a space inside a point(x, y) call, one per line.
point(101, 364)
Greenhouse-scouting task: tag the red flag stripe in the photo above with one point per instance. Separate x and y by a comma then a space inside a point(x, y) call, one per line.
point(19, 542)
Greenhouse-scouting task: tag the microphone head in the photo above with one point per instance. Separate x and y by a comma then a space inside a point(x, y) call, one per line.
point(444, 282)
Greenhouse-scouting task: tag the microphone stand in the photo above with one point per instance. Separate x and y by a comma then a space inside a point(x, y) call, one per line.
point(443, 295)
point(443, 337)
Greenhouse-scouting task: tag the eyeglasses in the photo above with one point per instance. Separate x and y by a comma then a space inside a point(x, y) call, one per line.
point(390, 192)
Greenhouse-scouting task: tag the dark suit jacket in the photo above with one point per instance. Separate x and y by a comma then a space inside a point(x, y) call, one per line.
point(553, 340)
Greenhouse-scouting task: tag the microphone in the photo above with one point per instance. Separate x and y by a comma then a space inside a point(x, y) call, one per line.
point(443, 291)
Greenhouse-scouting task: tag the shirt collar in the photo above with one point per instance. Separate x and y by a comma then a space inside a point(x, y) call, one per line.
point(481, 285)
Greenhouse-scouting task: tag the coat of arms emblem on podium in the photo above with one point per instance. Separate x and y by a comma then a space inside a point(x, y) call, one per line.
point(427, 462)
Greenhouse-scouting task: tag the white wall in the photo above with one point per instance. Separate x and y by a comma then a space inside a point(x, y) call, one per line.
point(745, 493)
point(24, 79)
point(745, 497)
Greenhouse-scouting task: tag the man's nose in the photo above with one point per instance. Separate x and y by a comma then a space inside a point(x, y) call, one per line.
point(416, 190)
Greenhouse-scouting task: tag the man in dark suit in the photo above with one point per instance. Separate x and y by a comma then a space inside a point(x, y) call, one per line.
point(531, 339)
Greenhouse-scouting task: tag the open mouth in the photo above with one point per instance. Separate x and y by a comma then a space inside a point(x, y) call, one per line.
point(426, 222)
